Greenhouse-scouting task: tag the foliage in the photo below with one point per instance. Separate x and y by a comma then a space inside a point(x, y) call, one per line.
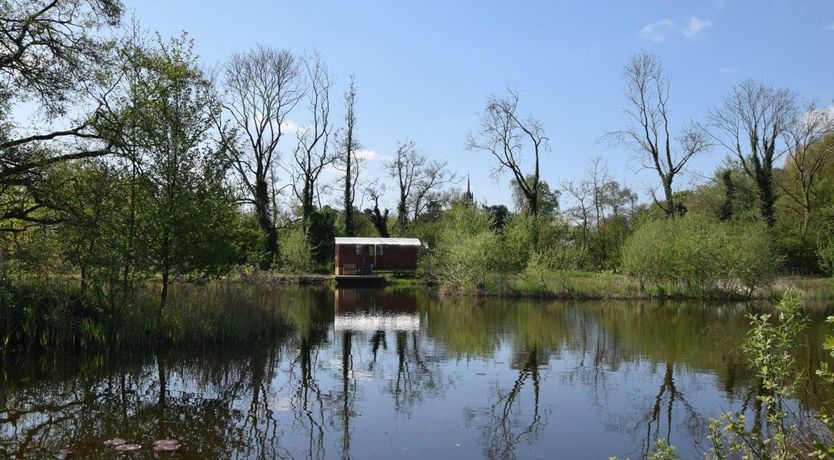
point(700, 254)
point(770, 348)
point(517, 242)
point(663, 451)
point(322, 231)
point(826, 255)
point(296, 256)
point(465, 250)
point(188, 209)
point(827, 374)
point(54, 315)
point(548, 199)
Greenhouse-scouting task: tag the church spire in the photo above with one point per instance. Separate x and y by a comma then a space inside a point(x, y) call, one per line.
point(468, 197)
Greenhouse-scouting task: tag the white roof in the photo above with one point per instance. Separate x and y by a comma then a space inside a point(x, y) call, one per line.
point(379, 241)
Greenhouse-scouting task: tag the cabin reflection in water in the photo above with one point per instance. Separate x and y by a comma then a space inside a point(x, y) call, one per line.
point(375, 310)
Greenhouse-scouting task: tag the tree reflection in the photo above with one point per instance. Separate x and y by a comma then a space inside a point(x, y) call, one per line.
point(416, 378)
point(89, 403)
point(644, 371)
point(507, 422)
point(348, 393)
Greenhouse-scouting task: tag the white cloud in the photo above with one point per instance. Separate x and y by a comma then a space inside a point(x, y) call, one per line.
point(290, 126)
point(830, 27)
point(657, 31)
point(370, 155)
point(728, 70)
point(694, 26)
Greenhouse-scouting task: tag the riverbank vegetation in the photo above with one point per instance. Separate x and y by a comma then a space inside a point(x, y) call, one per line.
point(783, 431)
point(138, 173)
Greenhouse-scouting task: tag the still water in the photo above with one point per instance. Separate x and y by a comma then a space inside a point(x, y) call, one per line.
point(403, 374)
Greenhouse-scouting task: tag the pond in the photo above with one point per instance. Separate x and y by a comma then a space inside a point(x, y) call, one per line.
point(404, 374)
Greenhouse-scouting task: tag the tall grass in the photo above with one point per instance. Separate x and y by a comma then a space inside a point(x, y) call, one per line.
point(51, 314)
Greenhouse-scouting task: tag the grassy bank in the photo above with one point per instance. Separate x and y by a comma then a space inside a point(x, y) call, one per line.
point(607, 285)
point(58, 315)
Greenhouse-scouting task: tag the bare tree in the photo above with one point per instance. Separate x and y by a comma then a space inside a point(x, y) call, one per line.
point(807, 154)
point(349, 146)
point(428, 187)
point(419, 181)
point(582, 193)
point(600, 180)
point(405, 168)
point(647, 104)
point(262, 86)
point(503, 134)
point(313, 151)
point(749, 124)
point(380, 219)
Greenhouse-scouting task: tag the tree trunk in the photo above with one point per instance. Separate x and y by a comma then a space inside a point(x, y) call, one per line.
point(348, 184)
point(380, 221)
point(266, 224)
point(163, 297)
point(402, 215)
point(767, 198)
point(806, 213)
point(670, 200)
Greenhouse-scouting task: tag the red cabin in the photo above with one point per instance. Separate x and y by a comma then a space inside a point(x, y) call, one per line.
point(365, 256)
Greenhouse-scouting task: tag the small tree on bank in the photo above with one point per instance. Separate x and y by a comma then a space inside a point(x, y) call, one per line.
point(187, 210)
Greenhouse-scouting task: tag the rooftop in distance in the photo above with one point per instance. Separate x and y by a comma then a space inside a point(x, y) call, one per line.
point(378, 241)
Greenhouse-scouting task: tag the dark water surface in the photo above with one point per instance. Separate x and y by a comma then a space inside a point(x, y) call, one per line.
point(402, 374)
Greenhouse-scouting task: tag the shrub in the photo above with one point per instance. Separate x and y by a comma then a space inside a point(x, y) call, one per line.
point(825, 252)
point(466, 250)
point(517, 242)
point(696, 253)
point(750, 255)
point(295, 251)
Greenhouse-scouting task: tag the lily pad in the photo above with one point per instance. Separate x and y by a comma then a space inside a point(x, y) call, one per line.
point(128, 447)
point(166, 445)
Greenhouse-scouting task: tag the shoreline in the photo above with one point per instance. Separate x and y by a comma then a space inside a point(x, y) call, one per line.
point(573, 286)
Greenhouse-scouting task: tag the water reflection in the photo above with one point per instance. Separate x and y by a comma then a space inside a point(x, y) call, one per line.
point(402, 373)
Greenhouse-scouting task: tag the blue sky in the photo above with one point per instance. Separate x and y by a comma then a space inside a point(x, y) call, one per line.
point(424, 69)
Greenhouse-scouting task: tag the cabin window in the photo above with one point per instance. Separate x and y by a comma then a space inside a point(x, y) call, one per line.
point(359, 249)
point(379, 249)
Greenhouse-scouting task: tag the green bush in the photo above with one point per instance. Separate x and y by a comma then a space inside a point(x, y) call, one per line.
point(466, 250)
point(296, 256)
point(517, 242)
point(696, 253)
point(825, 251)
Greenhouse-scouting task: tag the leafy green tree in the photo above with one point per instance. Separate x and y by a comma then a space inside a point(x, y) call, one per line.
point(89, 198)
point(189, 211)
point(548, 200)
point(54, 52)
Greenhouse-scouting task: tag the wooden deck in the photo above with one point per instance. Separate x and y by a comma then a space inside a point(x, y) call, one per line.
point(359, 280)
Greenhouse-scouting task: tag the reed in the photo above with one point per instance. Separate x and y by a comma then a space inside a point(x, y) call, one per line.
point(51, 314)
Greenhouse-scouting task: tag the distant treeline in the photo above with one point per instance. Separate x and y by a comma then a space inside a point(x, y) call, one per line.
point(141, 165)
